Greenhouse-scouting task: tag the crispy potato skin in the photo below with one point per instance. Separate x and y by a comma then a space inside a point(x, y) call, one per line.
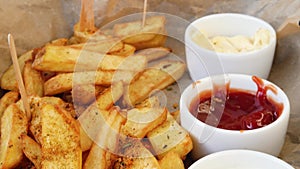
point(60, 139)
point(170, 137)
point(14, 123)
point(32, 150)
point(8, 79)
point(151, 79)
point(33, 80)
point(6, 100)
point(170, 161)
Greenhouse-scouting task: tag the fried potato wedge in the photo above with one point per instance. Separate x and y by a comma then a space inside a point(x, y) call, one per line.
point(151, 102)
point(134, 33)
point(89, 125)
point(86, 94)
point(91, 131)
point(32, 151)
point(142, 120)
point(36, 104)
point(174, 68)
point(33, 81)
point(68, 59)
point(13, 124)
point(85, 140)
point(151, 79)
point(7, 99)
point(96, 158)
point(170, 161)
point(65, 81)
point(59, 42)
point(60, 140)
point(135, 156)
point(158, 41)
point(106, 142)
point(110, 96)
point(109, 45)
point(154, 53)
point(86, 36)
point(96, 113)
point(8, 79)
point(170, 136)
point(127, 50)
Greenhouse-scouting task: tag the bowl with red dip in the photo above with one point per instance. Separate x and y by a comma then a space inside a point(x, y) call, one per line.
point(234, 111)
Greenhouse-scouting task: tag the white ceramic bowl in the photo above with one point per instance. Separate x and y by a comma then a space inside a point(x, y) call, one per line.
point(202, 62)
point(240, 159)
point(208, 139)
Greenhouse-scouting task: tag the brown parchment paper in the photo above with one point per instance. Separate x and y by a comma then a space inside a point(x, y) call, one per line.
point(35, 22)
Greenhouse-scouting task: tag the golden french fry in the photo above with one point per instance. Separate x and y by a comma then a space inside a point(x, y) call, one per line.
point(64, 82)
point(110, 45)
point(135, 156)
point(32, 151)
point(157, 41)
point(154, 53)
point(88, 125)
point(105, 143)
point(85, 94)
point(60, 139)
point(8, 79)
point(14, 123)
point(151, 102)
point(174, 68)
point(66, 59)
point(134, 33)
point(36, 104)
point(7, 99)
point(90, 128)
point(170, 137)
point(59, 42)
point(86, 141)
point(142, 120)
point(96, 158)
point(83, 37)
point(33, 81)
point(127, 50)
point(170, 161)
point(96, 113)
point(110, 96)
point(158, 77)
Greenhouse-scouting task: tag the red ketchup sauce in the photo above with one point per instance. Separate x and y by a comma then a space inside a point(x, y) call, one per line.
point(243, 110)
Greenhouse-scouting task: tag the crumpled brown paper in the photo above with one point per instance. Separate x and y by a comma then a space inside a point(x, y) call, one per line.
point(35, 22)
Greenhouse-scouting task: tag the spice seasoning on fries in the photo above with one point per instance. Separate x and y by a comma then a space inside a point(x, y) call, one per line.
point(108, 112)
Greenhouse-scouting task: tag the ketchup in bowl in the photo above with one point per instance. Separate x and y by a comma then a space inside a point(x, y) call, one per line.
point(243, 110)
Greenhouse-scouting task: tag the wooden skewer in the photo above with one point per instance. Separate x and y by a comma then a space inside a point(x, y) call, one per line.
point(144, 13)
point(289, 26)
point(23, 93)
point(87, 21)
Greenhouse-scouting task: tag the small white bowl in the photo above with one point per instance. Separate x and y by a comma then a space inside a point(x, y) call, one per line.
point(202, 62)
point(208, 139)
point(240, 159)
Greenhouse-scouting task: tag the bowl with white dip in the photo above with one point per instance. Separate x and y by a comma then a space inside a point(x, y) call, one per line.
point(240, 159)
point(229, 43)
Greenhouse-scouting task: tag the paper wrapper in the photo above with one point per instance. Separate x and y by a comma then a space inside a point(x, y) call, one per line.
point(35, 22)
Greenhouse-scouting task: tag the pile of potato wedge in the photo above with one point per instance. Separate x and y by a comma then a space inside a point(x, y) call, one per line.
point(92, 104)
